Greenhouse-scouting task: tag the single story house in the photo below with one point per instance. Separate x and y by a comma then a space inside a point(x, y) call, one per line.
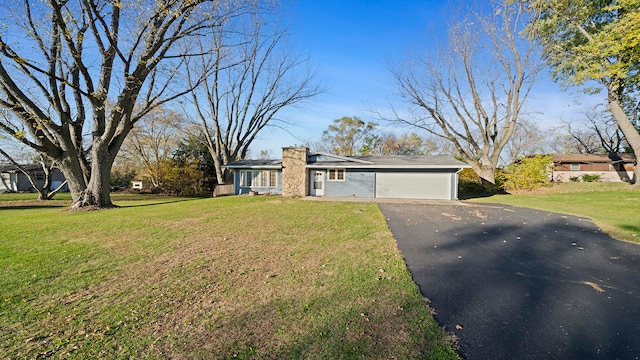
point(14, 180)
point(301, 173)
point(610, 168)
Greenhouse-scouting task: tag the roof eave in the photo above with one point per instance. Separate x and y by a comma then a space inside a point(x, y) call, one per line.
point(363, 166)
point(345, 158)
point(268, 167)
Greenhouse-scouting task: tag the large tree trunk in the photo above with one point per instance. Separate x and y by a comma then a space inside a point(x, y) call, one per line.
point(217, 165)
point(630, 133)
point(487, 174)
point(76, 176)
point(96, 194)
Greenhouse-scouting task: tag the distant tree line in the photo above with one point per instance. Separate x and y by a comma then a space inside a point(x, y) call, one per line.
point(351, 136)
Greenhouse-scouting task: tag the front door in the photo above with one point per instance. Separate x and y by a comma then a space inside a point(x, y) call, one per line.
point(316, 188)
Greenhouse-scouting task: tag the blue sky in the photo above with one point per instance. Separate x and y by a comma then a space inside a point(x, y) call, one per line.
point(351, 43)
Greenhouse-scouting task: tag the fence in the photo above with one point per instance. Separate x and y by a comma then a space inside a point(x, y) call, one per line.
point(223, 189)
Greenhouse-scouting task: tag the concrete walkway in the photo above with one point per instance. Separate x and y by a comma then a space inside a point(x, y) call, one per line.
point(514, 283)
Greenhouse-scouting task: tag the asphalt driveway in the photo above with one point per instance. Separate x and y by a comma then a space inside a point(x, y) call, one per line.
point(515, 283)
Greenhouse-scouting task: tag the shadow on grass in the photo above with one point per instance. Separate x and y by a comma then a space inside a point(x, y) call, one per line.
point(32, 207)
point(469, 196)
point(635, 229)
point(154, 202)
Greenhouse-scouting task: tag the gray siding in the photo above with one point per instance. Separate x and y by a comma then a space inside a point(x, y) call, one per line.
point(17, 181)
point(357, 183)
point(24, 184)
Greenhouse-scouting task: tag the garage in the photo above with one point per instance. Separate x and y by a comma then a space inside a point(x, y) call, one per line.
point(415, 185)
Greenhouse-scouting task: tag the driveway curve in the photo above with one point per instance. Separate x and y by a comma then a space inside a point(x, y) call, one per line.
point(517, 283)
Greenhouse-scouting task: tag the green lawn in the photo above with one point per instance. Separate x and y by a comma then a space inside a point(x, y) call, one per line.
point(615, 207)
point(233, 277)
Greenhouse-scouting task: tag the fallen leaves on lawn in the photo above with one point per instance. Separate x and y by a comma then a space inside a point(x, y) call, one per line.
point(594, 286)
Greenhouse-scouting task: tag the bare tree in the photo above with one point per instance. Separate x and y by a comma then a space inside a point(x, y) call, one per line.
point(581, 140)
point(472, 92)
point(597, 133)
point(248, 77)
point(152, 142)
point(527, 139)
point(611, 138)
point(79, 67)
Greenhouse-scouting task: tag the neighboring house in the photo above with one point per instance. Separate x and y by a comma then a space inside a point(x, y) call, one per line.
point(138, 185)
point(301, 173)
point(610, 168)
point(13, 180)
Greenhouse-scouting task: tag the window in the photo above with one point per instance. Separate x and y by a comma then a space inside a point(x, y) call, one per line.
point(258, 178)
point(336, 174)
point(575, 166)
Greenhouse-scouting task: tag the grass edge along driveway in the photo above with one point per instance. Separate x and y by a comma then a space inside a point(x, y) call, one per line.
point(614, 207)
point(235, 277)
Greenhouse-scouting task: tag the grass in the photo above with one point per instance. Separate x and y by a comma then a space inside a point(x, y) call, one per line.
point(233, 277)
point(615, 207)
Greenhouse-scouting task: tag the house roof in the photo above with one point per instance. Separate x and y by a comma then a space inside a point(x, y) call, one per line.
point(593, 158)
point(358, 159)
point(255, 164)
point(12, 169)
point(393, 162)
point(360, 162)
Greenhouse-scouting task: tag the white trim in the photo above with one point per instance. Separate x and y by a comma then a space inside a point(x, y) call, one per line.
point(320, 165)
point(336, 172)
point(258, 179)
point(242, 167)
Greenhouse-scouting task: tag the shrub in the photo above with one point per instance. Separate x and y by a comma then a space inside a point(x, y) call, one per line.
point(469, 182)
point(574, 178)
point(121, 179)
point(527, 174)
point(182, 179)
point(591, 177)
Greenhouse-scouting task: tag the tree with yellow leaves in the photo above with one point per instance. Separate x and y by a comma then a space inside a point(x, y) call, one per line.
point(597, 40)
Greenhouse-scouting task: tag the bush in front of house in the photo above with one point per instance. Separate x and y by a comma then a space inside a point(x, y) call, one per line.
point(527, 174)
point(591, 177)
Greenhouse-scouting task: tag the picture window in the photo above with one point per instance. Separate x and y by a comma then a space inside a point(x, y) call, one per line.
point(258, 178)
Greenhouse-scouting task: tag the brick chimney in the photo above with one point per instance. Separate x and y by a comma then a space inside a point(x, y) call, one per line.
point(295, 181)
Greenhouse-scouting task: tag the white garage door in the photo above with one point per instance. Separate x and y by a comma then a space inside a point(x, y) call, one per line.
point(436, 186)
